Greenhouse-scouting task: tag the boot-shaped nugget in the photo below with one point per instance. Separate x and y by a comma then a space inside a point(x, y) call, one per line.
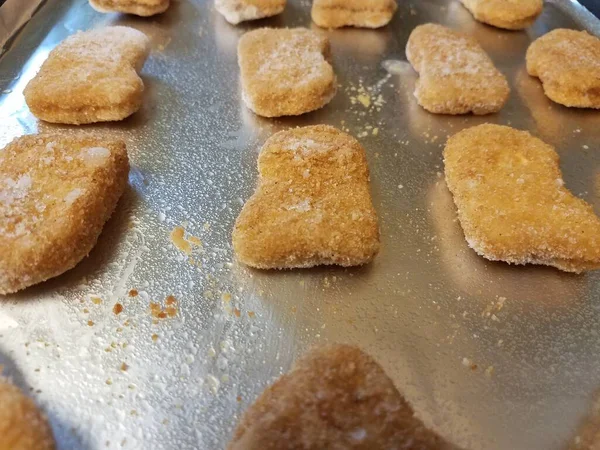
point(312, 205)
point(90, 77)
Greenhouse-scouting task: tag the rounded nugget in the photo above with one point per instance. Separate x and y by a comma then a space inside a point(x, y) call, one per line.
point(567, 62)
point(507, 14)
point(142, 8)
point(336, 398)
point(236, 11)
point(56, 193)
point(312, 205)
point(22, 425)
point(512, 203)
point(90, 77)
point(285, 72)
point(456, 76)
point(355, 13)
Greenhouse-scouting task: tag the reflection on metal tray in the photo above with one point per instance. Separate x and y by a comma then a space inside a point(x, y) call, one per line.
point(491, 356)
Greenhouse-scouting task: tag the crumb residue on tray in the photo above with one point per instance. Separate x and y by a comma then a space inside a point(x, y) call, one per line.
point(183, 242)
point(169, 311)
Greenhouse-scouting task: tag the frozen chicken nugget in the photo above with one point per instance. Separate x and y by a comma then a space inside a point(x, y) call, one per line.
point(138, 7)
point(337, 398)
point(455, 75)
point(285, 72)
point(312, 205)
point(90, 77)
point(56, 193)
point(567, 62)
point(507, 14)
point(22, 425)
point(356, 13)
point(512, 203)
point(236, 11)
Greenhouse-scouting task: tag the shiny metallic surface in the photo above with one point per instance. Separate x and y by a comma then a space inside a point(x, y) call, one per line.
point(491, 356)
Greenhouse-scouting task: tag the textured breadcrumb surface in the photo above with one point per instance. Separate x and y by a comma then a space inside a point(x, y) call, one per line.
point(312, 205)
point(456, 76)
point(22, 425)
point(56, 193)
point(143, 8)
point(512, 202)
point(567, 62)
point(355, 13)
point(90, 77)
point(336, 397)
point(285, 72)
point(236, 11)
point(507, 14)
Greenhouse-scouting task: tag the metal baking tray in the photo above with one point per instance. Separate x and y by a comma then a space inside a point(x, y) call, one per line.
point(492, 356)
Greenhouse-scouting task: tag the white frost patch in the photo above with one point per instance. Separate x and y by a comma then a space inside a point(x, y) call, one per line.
point(73, 195)
point(358, 435)
point(95, 156)
point(303, 206)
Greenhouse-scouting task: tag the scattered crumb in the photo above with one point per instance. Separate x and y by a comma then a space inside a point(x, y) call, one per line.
point(90, 323)
point(133, 293)
point(118, 308)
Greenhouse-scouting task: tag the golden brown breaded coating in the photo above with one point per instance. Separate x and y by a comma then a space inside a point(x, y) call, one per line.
point(567, 62)
point(455, 75)
point(22, 425)
point(507, 14)
point(285, 72)
point(56, 193)
point(512, 203)
point(312, 205)
point(355, 13)
point(337, 398)
point(236, 11)
point(90, 77)
point(142, 8)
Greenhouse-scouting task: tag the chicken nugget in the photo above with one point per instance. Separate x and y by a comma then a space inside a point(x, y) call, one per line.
point(56, 193)
point(507, 14)
point(567, 62)
point(285, 72)
point(142, 8)
point(312, 205)
point(455, 75)
point(236, 11)
point(337, 398)
point(512, 203)
point(90, 77)
point(22, 425)
point(355, 13)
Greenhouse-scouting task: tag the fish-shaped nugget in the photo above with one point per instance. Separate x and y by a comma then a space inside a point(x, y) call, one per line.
point(312, 205)
point(285, 72)
point(22, 425)
point(455, 75)
point(337, 398)
point(355, 13)
point(512, 202)
point(567, 62)
point(142, 8)
point(90, 77)
point(56, 193)
point(236, 11)
point(507, 14)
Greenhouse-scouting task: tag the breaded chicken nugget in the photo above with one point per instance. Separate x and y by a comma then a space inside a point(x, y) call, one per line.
point(138, 7)
point(285, 72)
point(507, 14)
point(312, 205)
point(567, 62)
point(22, 425)
point(355, 13)
point(455, 75)
point(236, 11)
point(90, 77)
point(56, 193)
point(512, 203)
point(337, 398)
